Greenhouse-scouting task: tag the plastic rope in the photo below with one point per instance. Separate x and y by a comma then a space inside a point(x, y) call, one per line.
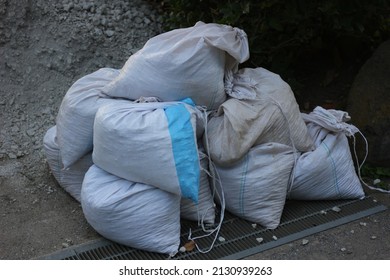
point(359, 166)
point(215, 176)
point(201, 216)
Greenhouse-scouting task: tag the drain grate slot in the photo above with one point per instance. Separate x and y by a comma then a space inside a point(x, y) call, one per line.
point(299, 219)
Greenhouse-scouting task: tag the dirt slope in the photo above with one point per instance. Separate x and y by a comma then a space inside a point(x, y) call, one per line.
point(45, 46)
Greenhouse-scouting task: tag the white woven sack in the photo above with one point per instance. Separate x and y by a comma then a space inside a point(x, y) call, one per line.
point(151, 143)
point(77, 113)
point(187, 62)
point(133, 214)
point(255, 188)
point(204, 210)
point(328, 172)
point(264, 110)
point(71, 178)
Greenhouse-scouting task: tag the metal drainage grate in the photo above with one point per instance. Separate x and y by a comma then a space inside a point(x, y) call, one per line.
point(299, 219)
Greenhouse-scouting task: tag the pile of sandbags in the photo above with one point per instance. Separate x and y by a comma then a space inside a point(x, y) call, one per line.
point(179, 130)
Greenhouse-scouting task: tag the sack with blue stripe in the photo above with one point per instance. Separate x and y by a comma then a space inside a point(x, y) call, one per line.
point(328, 172)
point(152, 143)
point(255, 187)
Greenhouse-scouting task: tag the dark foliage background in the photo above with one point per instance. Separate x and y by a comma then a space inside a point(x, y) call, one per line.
point(294, 38)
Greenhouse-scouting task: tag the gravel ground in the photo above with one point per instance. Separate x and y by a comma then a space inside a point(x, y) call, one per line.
point(45, 46)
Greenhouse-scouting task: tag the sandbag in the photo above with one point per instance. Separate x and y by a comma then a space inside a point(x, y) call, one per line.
point(150, 143)
point(70, 178)
point(255, 187)
point(328, 172)
point(204, 210)
point(263, 110)
point(187, 62)
point(132, 214)
point(77, 113)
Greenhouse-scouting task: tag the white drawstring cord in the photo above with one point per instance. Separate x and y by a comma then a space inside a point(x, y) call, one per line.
point(215, 178)
point(359, 166)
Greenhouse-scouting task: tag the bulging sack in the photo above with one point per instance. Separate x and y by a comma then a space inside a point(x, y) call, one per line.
point(70, 178)
point(77, 113)
point(255, 187)
point(151, 143)
point(328, 172)
point(204, 210)
point(263, 109)
point(133, 214)
point(187, 62)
